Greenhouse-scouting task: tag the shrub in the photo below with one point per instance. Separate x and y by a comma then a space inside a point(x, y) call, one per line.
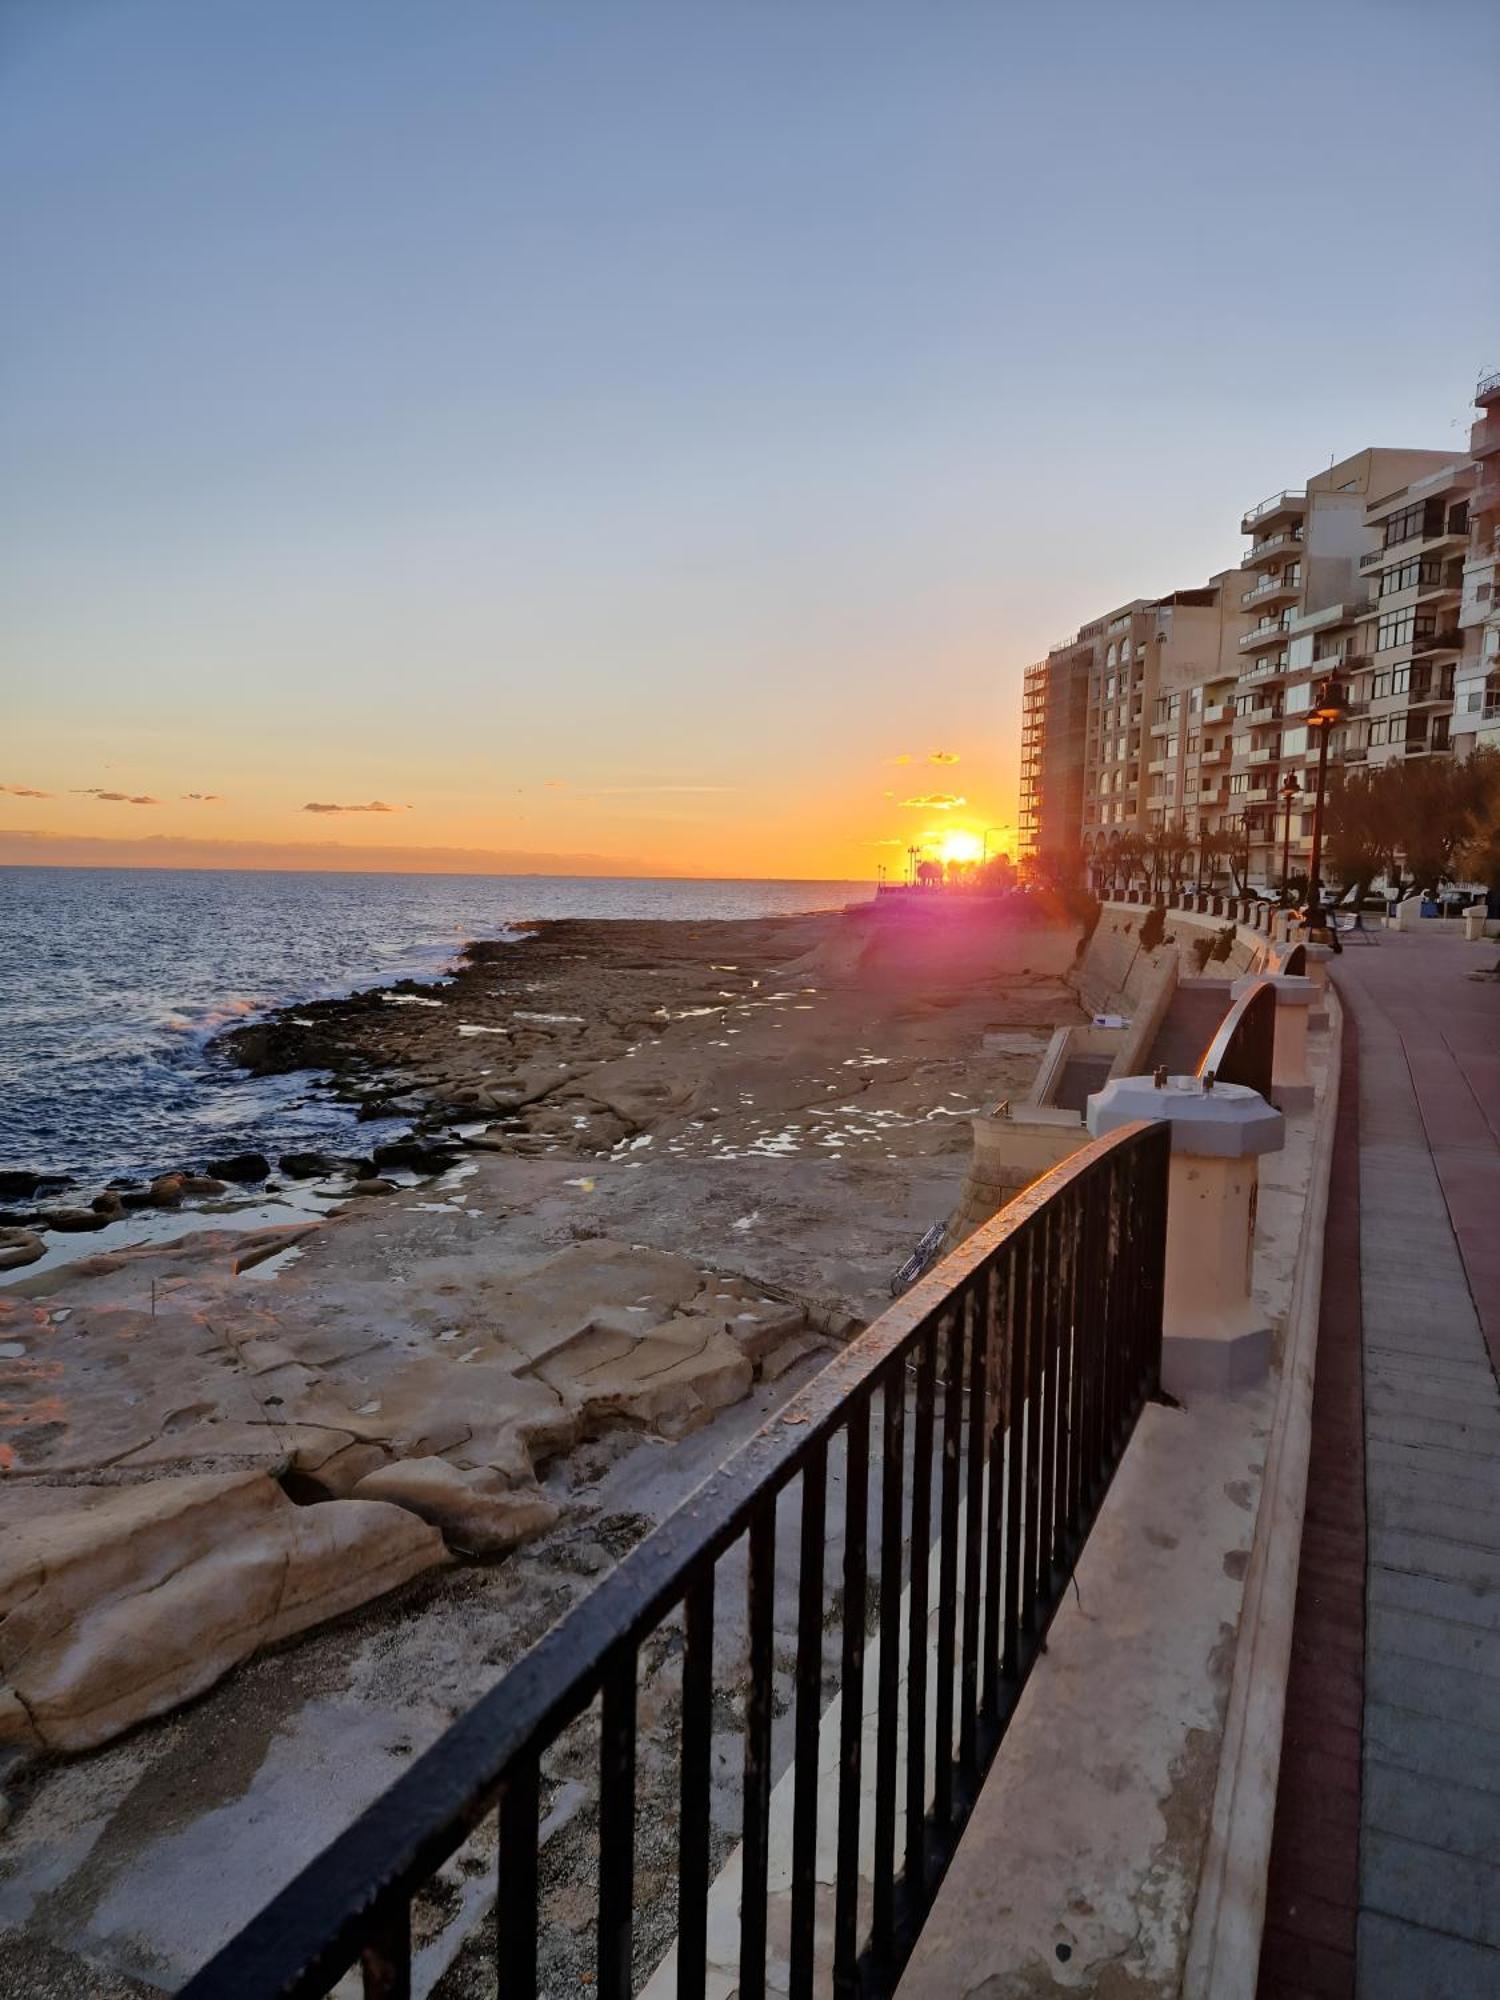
point(1153, 928)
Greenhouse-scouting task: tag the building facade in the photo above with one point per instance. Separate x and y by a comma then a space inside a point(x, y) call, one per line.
point(1054, 707)
point(1384, 567)
point(1476, 703)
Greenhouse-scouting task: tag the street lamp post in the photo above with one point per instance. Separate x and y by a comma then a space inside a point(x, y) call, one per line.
point(1329, 709)
point(1289, 791)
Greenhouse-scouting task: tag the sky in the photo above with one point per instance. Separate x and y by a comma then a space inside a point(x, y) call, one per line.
point(644, 438)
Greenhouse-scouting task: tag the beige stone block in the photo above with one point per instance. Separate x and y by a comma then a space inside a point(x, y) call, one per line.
point(475, 1510)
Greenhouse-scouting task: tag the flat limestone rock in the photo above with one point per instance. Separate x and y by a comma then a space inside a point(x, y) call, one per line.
point(123, 1607)
point(475, 1511)
point(672, 1379)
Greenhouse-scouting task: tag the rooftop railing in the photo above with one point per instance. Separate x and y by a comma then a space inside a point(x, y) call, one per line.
point(996, 1400)
point(1289, 496)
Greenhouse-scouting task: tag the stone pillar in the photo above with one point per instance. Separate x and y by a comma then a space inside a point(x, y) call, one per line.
point(1474, 921)
point(1291, 1087)
point(1214, 1337)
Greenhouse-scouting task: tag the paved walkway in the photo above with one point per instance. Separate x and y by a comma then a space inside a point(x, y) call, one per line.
point(1312, 1890)
point(1429, 1262)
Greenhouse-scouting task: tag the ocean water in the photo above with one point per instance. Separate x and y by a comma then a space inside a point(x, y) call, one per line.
point(113, 982)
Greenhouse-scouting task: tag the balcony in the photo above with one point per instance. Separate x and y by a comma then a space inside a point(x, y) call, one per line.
point(1271, 590)
point(1284, 540)
point(1219, 756)
point(1449, 640)
point(1373, 558)
point(1290, 501)
point(1270, 755)
point(1258, 795)
point(1269, 634)
point(1487, 390)
point(1484, 439)
point(1158, 765)
point(1449, 583)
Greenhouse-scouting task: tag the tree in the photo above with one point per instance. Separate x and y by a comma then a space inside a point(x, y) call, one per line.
point(1477, 856)
point(1415, 821)
point(1131, 856)
point(1213, 854)
point(1355, 843)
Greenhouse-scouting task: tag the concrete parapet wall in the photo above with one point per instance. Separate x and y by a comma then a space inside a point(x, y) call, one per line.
point(1009, 1154)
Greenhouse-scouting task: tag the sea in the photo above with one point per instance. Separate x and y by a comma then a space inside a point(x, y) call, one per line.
point(115, 981)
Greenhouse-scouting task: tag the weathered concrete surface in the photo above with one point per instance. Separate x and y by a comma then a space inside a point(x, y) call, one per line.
point(1077, 1871)
point(1087, 1882)
point(1429, 1875)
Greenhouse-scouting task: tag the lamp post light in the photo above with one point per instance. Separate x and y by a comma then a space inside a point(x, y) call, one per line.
point(1329, 709)
point(1289, 791)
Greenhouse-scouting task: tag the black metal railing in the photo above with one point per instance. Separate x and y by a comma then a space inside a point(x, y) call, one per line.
point(1244, 1048)
point(996, 1400)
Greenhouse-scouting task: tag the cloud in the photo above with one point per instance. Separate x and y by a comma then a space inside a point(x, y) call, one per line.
point(887, 843)
point(375, 806)
point(942, 757)
point(24, 792)
point(116, 798)
point(557, 784)
point(206, 798)
point(904, 758)
point(936, 802)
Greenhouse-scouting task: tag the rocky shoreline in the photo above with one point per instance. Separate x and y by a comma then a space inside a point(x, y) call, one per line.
point(650, 1173)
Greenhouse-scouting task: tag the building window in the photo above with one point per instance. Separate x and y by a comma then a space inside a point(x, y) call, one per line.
point(1401, 527)
point(1239, 781)
point(1399, 629)
point(1440, 724)
point(1380, 731)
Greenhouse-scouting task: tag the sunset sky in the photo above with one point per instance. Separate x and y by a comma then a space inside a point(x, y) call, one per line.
point(653, 437)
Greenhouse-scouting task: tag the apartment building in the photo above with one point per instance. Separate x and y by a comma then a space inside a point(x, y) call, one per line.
point(1122, 684)
point(1196, 646)
point(1318, 556)
point(1054, 710)
point(1476, 699)
point(1385, 567)
point(1125, 724)
point(1401, 679)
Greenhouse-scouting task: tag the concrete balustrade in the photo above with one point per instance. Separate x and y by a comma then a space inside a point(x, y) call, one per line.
point(1214, 1337)
point(1291, 1087)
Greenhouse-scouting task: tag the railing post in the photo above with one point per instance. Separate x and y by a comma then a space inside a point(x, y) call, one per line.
point(1213, 1335)
point(1291, 1088)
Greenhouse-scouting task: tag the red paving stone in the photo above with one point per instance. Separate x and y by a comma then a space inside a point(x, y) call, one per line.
point(1312, 1891)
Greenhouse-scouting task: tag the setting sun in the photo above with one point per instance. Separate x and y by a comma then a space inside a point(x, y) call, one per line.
point(961, 845)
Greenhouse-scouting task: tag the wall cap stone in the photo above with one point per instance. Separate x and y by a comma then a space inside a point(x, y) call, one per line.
point(1230, 1122)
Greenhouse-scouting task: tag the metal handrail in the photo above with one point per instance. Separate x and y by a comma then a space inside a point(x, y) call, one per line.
point(1017, 1370)
point(1242, 1050)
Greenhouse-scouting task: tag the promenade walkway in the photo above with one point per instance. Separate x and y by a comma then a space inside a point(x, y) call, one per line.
point(1421, 1890)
